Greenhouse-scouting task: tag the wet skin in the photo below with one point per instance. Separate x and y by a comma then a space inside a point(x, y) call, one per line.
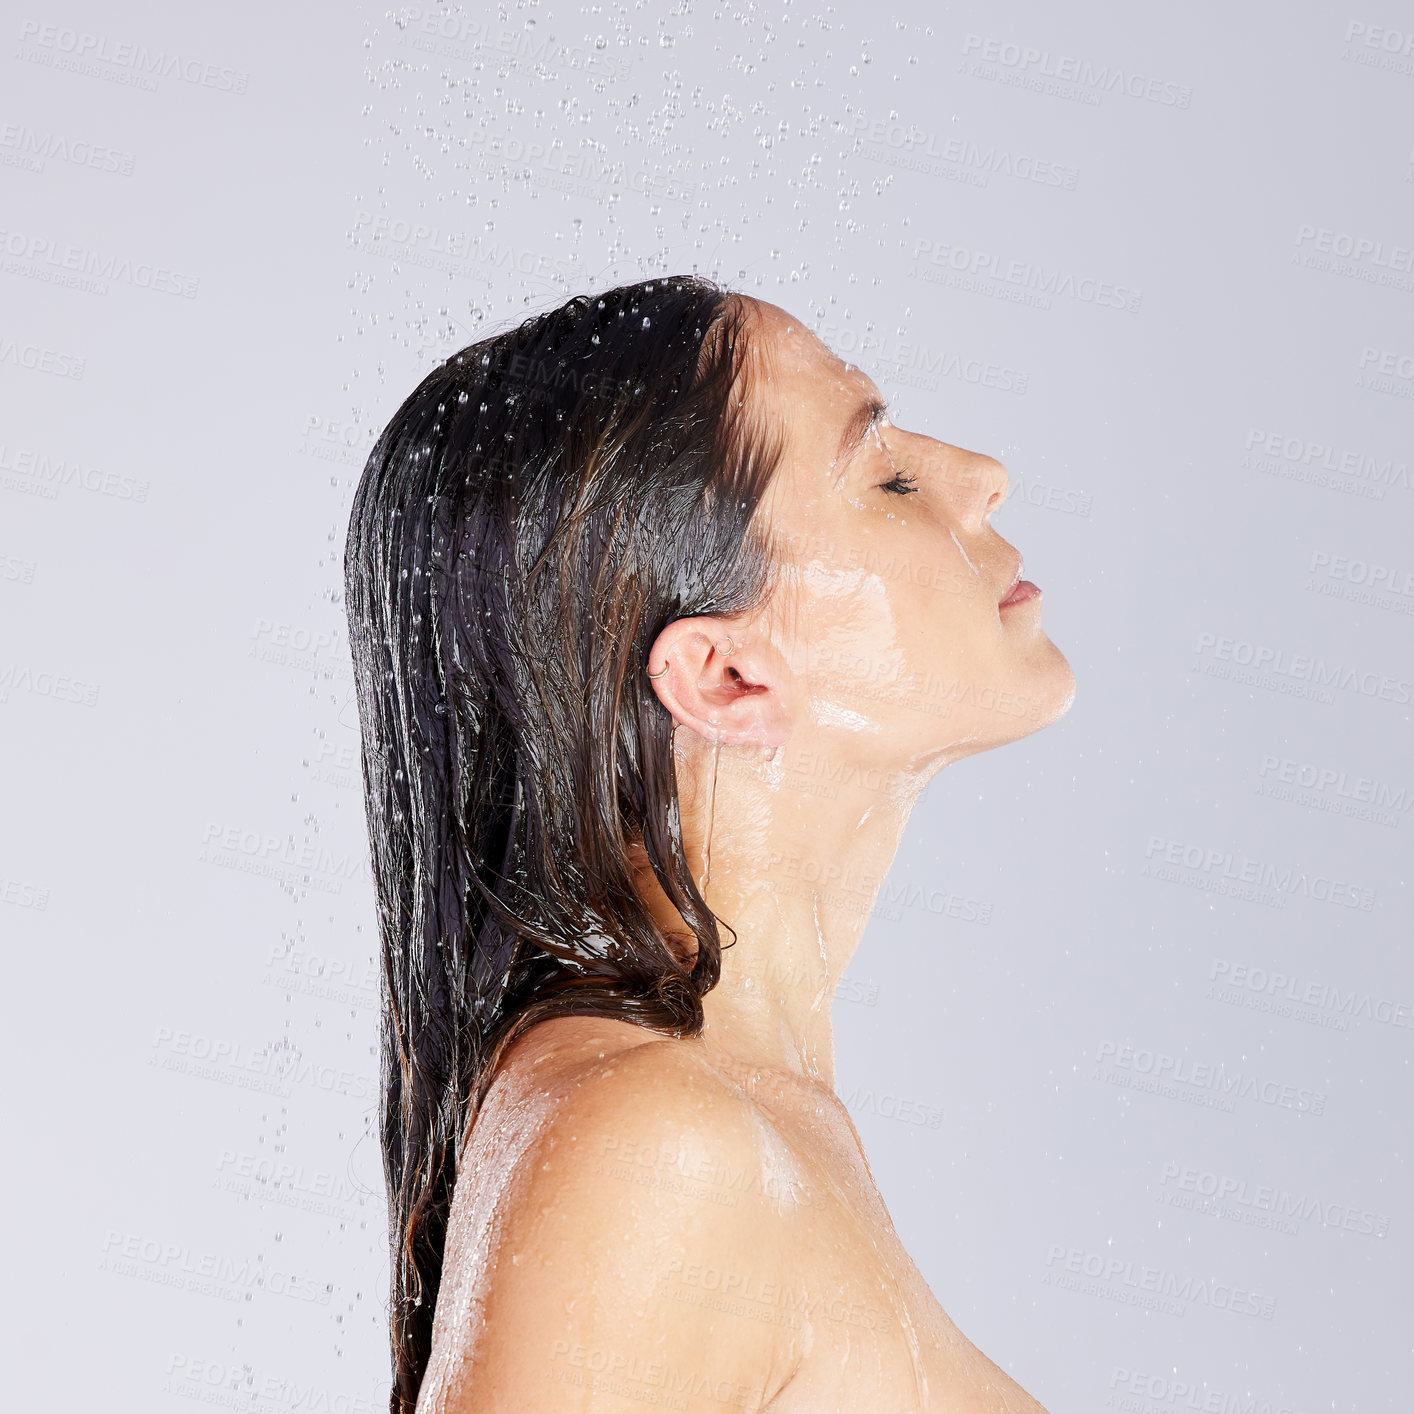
point(692, 1224)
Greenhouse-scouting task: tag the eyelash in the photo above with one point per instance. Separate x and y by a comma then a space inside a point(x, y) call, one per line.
point(900, 484)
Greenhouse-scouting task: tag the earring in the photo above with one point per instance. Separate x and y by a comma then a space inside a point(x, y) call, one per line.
point(660, 671)
point(727, 652)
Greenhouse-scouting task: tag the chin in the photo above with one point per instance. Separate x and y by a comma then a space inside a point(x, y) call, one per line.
point(1054, 687)
point(1044, 690)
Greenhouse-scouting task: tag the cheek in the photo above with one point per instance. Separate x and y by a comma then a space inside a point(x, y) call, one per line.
point(939, 602)
point(847, 635)
point(945, 642)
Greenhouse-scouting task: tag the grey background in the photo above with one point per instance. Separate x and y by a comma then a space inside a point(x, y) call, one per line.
point(286, 214)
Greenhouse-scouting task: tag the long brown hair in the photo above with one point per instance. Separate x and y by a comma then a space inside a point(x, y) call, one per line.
point(537, 511)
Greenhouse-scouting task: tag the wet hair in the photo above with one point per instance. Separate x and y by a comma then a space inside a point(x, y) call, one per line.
point(538, 510)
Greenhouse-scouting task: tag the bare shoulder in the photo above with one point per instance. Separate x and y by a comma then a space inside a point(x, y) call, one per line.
point(599, 1095)
point(609, 1176)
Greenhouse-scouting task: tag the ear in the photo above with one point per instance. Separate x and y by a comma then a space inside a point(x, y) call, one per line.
point(731, 687)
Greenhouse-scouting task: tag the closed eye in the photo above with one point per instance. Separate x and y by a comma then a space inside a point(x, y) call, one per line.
point(900, 484)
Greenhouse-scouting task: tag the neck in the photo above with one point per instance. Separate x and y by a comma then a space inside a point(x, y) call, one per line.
point(793, 847)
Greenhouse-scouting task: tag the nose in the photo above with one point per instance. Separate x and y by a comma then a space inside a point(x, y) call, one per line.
point(979, 484)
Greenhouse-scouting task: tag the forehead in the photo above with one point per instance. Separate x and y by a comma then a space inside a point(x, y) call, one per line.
point(812, 397)
point(799, 380)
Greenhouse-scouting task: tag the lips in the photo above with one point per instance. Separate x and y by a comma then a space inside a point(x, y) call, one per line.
point(1019, 590)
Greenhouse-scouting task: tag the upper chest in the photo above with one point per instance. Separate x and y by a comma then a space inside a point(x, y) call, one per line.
point(867, 1331)
point(855, 1322)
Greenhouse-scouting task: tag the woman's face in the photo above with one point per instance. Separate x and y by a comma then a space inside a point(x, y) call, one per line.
point(909, 640)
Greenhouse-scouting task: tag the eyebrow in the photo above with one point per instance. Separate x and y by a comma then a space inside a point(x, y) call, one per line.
point(862, 421)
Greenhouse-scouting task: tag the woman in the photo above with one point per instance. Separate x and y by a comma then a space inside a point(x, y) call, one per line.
point(660, 628)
